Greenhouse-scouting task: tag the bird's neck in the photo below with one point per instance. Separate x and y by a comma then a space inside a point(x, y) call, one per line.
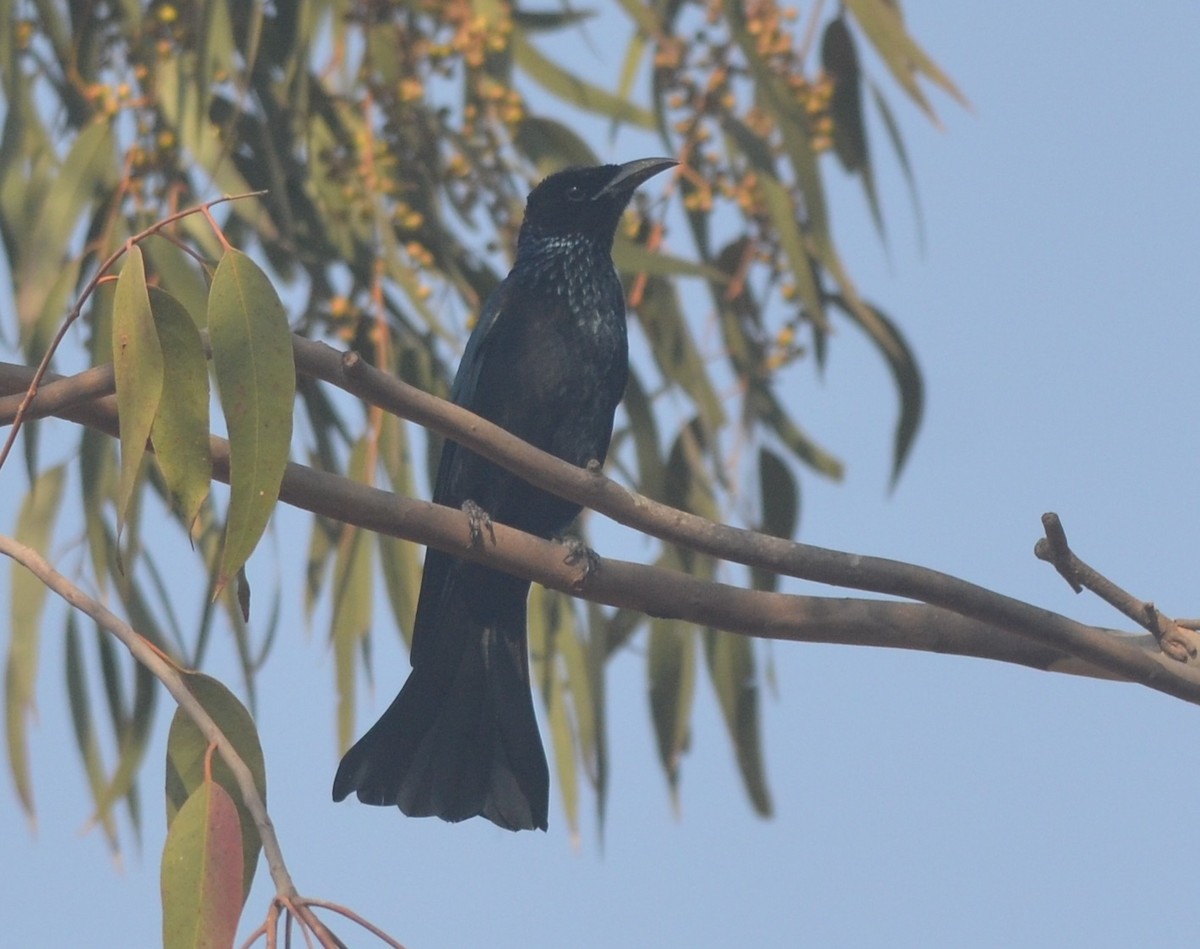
point(534, 243)
point(576, 269)
point(558, 260)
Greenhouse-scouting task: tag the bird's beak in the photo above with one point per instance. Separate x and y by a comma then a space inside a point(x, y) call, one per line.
point(633, 173)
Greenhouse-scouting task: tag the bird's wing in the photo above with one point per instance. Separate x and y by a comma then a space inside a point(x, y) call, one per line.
point(467, 378)
point(463, 391)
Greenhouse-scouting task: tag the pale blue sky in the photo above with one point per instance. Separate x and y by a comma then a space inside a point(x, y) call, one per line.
point(921, 800)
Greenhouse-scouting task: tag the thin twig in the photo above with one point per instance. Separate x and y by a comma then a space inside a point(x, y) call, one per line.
point(1054, 549)
point(89, 289)
point(355, 918)
point(172, 680)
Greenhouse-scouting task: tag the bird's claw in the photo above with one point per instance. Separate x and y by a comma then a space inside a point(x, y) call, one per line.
point(478, 520)
point(580, 553)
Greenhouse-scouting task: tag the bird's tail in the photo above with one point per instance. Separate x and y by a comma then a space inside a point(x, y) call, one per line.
point(461, 739)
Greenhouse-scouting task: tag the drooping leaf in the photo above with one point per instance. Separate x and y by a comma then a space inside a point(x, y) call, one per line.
point(256, 380)
point(902, 364)
point(840, 61)
point(675, 351)
point(581, 694)
point(634, 258)
point(35, 524)
point(571, 88)
point(671, 667)
point(321, 545)
point(132, 725)
point(138, 363)
point(597, 648)
point(89, 165)
point(186, 751)
point(83, 725)
point(764, 404)
point(881, 20)
point(564, 741)
point(549, 625)
point(398, 559)
point(351, 621)
point(536, 21)
point(839, 58)
point(202, 882)
point(550, 145)
point(644, 427)
point(97, 483)
point(897, 141)
point(779, 505)
point(180, 430)
point(783, 212)
point(688, 484)
point(731, 667)
point(178, 275)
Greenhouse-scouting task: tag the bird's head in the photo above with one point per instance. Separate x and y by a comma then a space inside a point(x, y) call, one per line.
point(586, 202)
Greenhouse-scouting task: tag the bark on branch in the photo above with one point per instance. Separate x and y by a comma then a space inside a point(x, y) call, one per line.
point(953, 616)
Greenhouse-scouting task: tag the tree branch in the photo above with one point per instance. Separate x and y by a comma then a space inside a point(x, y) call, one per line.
point(166, 673)
point(1174, 638)
point(1047, 640)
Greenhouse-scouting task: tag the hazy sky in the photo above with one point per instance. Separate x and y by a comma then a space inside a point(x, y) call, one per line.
point(921, 800)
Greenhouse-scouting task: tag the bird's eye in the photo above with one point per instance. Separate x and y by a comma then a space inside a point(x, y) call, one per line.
point(576, 193)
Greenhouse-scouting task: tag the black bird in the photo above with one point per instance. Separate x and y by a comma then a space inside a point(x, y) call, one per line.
point(548, 361)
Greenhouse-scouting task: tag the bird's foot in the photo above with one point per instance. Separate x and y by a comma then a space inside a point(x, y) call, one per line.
point(580, 553)
point(479, 521)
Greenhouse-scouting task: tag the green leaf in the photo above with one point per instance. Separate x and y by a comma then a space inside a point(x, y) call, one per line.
point(85, 732)
point(316, 567)
point(785, 216)
point(186, 751)
point(216, 46)
point(550, 624)
point(201, 876)
point(897, 141)
point(779, 505)
point(840, 61)
point(579, 685)
point(187, 112)
point(138, 362)
point(839, 58)
point(352, 597)
point(603, 636)
point(550, 145)
point(732, 670)
point(570, 88)
point(256, 379)
point(534, 21)
point(643, 424)
point(563, 740)
point(398, 558)
point(882, 22)
point(35, 524)
point(132, 726)
point(88, 167)
point(687, 484)
point(763, 404)
point(661, 317)
point(180, 431)
point(632, 257)
point(97, 482)
point(902, 363)
point(671, 667)
point(179, 275)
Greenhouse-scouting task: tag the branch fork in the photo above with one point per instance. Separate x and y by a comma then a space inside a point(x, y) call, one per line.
point(1175, 640)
